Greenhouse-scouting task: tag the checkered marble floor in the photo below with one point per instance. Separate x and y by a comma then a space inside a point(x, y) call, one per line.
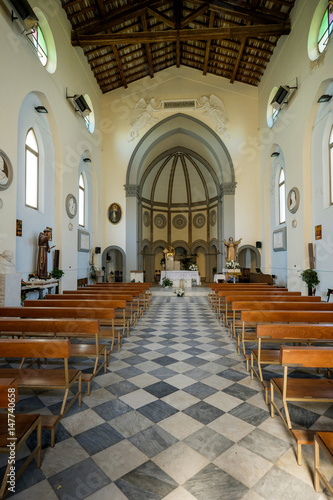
point(176, 417)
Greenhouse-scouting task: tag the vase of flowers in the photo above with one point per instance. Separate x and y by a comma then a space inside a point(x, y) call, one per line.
point(232, 264)
point(193, 267)
point(166, 283)
point(180, 292)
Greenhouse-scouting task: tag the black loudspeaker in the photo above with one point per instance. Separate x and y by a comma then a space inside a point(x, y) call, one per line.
point(258, 244)
point(97, 250)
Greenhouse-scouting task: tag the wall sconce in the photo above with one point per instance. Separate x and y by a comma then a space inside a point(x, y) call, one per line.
point(218, 252)
point(274, 154)
point(324, 98)
point(87, 160)
point(41, 109)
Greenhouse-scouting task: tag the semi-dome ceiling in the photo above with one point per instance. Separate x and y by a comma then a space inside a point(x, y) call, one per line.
point(179, 178)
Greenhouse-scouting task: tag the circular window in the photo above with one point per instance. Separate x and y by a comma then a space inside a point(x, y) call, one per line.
point(271, 112)
point(320, 29)
point(43, 42)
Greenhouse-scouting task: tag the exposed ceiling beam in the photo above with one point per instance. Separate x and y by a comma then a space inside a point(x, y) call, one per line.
point(206, 60)
point(238, 60)
point(196, 13)
point(177, 16)
point(149, 58)
point(164, 19)
point(182, 35)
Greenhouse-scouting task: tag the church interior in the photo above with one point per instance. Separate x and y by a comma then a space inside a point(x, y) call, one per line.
point(145, 138)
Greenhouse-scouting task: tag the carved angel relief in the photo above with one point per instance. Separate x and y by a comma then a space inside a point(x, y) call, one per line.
point(142, 116)
point(214, 108)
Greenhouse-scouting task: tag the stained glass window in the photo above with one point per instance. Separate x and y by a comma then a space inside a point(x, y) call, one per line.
point(282, 197)
point(37, 39)
point(326, 28)
point(31, 170)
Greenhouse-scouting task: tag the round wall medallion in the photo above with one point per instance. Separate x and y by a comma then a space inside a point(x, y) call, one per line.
point(160, 221)
point(294, 223)
point(71, 206)
point(199, 220)
point(212, 218)
point(146, 218)
point(70, 226)
point(6, 171)
point(179, 221)
point(293, 200)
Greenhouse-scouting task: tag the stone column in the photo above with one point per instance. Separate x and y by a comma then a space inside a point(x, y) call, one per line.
point(132, 248)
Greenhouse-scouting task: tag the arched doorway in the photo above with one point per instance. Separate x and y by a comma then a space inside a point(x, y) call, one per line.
point(180, 185)
point(249, 257)
point(113, 262)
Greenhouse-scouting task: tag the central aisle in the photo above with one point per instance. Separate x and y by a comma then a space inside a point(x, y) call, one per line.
point(175, 418)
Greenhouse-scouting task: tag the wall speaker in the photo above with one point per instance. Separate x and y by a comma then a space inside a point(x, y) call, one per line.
point(24, 13)
point(82, 105)
point(97, 250)
point(258, 244)
point(280, 96)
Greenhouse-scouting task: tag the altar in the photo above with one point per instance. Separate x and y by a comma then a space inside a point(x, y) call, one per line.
point(184, 277)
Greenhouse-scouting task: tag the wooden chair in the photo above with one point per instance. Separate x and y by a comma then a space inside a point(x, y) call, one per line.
point(15, 429)
point(29, 378)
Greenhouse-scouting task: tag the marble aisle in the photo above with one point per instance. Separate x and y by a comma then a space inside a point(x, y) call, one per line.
point(175, 418)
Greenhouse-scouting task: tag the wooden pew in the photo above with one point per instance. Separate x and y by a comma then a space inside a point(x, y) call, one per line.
point(103, 316)
point(215, 288)
point(322, 441)
point(71, 329)
point(255, 317)
point(79, 305)
point(282, 332)
point(30, 378)
point(127, 315)
point(241, 303)
point(140, 299)
point(301, 389)
point(15, 429)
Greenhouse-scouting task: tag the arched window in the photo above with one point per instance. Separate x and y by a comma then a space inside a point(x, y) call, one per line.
point(326, 28)
point(282, 197)
point(31, 170)
point(331, 165)
point(37, 39)
point(82, 200)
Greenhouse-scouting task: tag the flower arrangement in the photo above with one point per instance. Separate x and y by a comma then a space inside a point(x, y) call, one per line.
point(166, 282)
point(193, 267)
point(32, 276)
point(57, 273)
point(180, 292)
point(232, 264)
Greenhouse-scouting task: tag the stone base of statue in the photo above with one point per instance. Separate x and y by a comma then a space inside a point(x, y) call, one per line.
point(10, 290)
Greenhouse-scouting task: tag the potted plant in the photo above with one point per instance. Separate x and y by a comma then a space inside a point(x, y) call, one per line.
point(93, 273)
point(57, 273)
point(167, 282)
point(310, 277)
point(162, 262)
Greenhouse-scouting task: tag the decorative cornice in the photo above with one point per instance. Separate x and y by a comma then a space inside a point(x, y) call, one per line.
point(228, 188)
point(132, 190)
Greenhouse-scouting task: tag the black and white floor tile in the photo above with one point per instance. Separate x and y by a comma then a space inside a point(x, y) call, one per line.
point(176, 417)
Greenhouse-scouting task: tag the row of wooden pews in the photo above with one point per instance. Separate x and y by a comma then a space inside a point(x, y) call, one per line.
point(299, 333)
point(86, 323)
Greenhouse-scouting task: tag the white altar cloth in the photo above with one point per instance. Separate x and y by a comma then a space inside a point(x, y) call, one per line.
point(176, 276)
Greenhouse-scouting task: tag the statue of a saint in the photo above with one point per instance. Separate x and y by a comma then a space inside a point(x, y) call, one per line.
point(169, 253)
point(6, 264)
point(231, 249)
point(43, 250)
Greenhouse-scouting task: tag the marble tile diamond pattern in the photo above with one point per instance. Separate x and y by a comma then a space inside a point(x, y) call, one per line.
point(175, 417)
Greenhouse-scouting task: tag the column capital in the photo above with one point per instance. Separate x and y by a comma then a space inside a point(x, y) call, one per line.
point(228, 188)
point(132, 190)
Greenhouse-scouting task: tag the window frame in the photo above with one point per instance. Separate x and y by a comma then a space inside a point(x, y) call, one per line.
point(330, 156)
point(83, 209)
point(328, 31)
point(37, 46)
point(36, 154)
point(281, 185)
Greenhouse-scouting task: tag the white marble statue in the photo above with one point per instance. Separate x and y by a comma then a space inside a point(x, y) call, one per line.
point(214, 108)
point(142, 116)
point(7, 265)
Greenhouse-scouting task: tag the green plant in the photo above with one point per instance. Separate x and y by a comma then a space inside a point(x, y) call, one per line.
point(167, 282)
point(57, 273)
point(93, 273)
point(162, 262)
point(310, 277)
point(214, 270)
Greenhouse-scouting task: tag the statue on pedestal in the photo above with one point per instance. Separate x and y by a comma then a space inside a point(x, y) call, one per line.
point(6, 264)
point(169, 252)
point(43, 250)
point(231, 249)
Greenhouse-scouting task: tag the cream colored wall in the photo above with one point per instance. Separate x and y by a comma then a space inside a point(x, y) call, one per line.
point(292, 132)
point(22, 74)
point(175, 83)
